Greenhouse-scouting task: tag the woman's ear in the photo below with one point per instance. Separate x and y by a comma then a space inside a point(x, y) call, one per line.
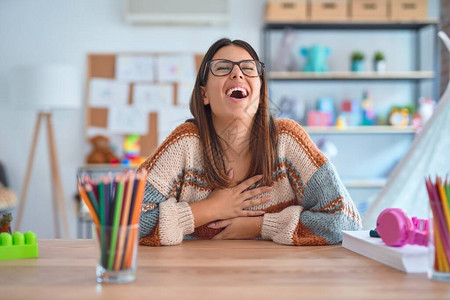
point(205, 98)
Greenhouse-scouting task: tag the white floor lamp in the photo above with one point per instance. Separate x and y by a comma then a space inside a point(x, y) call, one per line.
point(46, 89)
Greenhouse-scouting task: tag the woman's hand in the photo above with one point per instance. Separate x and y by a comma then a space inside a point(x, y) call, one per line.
point(231, 202)
point(244, 228)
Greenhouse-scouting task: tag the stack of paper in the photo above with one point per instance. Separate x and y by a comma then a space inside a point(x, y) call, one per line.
point(409, 258)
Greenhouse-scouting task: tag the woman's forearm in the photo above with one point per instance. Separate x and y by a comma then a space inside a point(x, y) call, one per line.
point(203, 212)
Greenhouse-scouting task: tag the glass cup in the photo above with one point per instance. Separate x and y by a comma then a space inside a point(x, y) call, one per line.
point(439, 266)
point(117, 250)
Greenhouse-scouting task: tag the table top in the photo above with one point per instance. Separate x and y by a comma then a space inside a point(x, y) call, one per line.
point(65, 269)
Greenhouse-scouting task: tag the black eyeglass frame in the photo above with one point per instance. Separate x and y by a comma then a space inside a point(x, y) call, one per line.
point(259, 67)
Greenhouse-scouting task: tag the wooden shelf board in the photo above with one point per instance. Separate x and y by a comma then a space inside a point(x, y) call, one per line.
point(376, 129)
point(413, 75)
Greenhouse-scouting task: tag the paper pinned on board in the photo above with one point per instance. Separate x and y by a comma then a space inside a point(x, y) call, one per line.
point(176, 68)
point(135, 67)
point(127, 119)
point(184, 93)
point(108, 92)
point(150, 97)
point(169, 118)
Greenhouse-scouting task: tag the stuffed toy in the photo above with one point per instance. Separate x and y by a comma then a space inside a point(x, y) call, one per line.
point(101, 153)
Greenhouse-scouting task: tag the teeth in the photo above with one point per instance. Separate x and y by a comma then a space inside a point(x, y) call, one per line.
point(230, 91)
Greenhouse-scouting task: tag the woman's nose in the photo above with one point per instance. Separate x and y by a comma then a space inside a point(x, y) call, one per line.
point(236, 72)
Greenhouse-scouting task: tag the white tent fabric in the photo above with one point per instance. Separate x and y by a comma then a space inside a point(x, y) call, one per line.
point(429, 155)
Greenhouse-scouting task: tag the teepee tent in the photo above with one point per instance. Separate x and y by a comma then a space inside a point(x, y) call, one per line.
point(429, 155)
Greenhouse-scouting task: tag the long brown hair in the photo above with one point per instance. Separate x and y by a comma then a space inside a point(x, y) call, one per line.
point(263, 136)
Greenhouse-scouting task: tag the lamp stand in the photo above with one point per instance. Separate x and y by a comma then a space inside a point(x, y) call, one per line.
point(57, 190)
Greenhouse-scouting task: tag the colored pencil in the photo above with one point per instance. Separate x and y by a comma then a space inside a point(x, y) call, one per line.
point(115, 224)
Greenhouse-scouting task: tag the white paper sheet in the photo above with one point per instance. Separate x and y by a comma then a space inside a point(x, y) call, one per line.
point(184, 93)
point(153, 96)
point(176, 68)
point(169, 118)
point(107, 92)
point(127, 119)
point(135, 67)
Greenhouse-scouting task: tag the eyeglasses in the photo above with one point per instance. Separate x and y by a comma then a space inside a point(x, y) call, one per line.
point(223, 67)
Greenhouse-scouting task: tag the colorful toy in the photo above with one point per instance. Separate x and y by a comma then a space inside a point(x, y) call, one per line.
point(18, 245)
point(101, 153)
point(316, 58)
point(351, 111)
point(326, 105)
point(396, 229)
point(132, 151)
point(317, 118)
point(5, 223)
point(368, 115)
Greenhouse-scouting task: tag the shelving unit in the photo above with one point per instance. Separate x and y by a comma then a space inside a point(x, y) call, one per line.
point(363, 138)
point(415, 75)
point(360, 130)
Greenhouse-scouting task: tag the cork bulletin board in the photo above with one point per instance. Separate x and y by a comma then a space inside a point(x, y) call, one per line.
point(103, 66)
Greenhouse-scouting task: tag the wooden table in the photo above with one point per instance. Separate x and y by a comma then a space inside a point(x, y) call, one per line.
point(214, 270)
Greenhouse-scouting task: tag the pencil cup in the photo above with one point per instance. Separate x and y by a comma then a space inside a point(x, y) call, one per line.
point(439, 268)
point(117, 249)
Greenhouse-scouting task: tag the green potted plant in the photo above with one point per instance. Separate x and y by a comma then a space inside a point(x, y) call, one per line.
point(357, 61)
point(379, 62)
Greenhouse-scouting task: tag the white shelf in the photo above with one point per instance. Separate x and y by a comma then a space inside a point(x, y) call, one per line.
point(413, 75)
point(360, 130)
point(364, 183)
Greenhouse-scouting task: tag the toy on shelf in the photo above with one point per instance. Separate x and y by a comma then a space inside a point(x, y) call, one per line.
point(291, 108)
point(368, 115)
point(326, 106)
point(351, 111)
point(317, 118)
point(5, 223)
point(132, 150)
point(316, 58)
point(399, 116)
point(101, 153)
point(18, 245)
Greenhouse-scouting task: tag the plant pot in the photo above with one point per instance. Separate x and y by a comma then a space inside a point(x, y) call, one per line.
point(357, 65)
point(379, 66)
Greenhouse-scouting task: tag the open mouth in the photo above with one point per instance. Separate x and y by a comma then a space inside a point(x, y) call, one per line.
point(237, 92)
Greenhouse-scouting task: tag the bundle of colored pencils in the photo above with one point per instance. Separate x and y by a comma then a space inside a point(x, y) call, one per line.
point(115, 206)
point(439, 194)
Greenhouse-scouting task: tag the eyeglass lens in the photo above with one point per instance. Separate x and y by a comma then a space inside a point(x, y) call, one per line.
point(250, 68)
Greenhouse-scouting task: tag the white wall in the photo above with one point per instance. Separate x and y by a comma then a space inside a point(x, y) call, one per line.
point(46, 31)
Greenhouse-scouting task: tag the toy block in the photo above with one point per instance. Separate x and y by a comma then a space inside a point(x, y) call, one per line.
point(18, 245)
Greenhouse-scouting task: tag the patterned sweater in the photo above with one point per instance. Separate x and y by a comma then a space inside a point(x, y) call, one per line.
point(309, 204)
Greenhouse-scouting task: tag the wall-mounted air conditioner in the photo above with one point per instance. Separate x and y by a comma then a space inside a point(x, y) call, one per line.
point(177, 12)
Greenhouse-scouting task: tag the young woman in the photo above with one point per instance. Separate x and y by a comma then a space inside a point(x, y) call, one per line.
point(233, 172)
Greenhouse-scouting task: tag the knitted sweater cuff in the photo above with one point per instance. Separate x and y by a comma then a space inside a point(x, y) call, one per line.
point(280, 227)
point(185, 218)
point(175, 221)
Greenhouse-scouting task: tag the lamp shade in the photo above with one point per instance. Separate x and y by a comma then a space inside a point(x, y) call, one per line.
point(48, 87)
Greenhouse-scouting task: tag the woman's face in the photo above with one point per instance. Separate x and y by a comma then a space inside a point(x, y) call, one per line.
point(234, 95)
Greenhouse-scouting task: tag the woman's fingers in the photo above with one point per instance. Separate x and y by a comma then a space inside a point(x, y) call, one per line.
point(220, 224)
point(255, 192)
point(255, 202)
point(246, 183)
point(252, 213)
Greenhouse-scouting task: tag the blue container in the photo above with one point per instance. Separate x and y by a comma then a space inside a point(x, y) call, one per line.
point(357, 65)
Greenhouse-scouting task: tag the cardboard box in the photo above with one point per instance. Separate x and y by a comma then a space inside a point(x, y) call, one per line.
point(329, 10)
point(409, 10)
point(286, 11)
point(369, 10)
